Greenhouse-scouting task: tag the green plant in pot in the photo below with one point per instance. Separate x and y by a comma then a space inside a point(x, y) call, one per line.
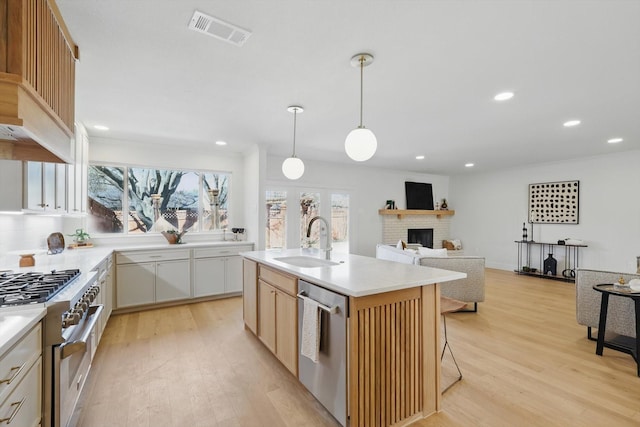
point(173, 236)
point(80, 236)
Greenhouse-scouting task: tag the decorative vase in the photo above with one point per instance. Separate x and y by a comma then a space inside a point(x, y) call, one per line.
point(524, 232)
point(550, 265)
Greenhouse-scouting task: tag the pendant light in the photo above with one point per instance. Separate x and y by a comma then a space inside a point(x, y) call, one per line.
point(293, 167)
point(361, 143)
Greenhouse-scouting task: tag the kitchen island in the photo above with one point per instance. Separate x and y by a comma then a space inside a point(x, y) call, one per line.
point(392, 337)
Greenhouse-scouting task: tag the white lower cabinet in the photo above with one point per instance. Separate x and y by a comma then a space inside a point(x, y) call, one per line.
point(218, 270)
point(21, 382)
point(172, 280)
point(148, 277)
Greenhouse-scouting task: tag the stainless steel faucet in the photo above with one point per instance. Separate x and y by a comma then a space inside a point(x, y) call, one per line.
point(326, 226)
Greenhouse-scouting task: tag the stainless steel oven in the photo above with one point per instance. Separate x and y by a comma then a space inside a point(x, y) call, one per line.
point(69, 328)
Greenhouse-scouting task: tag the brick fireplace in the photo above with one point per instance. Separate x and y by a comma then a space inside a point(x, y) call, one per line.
point(395, 225)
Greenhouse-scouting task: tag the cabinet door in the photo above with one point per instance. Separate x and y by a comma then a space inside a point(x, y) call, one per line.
point(108, 297)
point(250, 294)
point(34, 196)
point(208, 276)
point(234, 274)
point(135, 284)
point(61, 187)
point(173, 281)
point(267, 315)
point(49, 186)
point(286, 331)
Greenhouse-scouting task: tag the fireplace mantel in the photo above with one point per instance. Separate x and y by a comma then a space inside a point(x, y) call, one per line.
point(404, 212)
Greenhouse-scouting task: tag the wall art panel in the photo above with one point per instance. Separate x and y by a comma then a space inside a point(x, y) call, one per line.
point(554, 202)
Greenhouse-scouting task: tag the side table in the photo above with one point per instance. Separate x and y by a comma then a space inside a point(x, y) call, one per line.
point(606, 290)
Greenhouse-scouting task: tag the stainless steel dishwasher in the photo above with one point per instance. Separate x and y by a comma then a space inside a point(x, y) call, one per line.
point(327, 379)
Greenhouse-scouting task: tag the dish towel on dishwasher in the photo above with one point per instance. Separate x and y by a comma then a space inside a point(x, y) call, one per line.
point(310, 346)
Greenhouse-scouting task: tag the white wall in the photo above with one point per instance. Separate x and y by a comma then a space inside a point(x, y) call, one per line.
point(254, 166)
point(490, 209)
point(369, 189)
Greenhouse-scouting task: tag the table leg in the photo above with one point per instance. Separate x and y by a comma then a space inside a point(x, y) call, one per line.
point(637, 301)
point(604, 305)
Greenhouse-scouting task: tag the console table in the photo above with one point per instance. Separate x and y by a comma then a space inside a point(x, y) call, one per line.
point(531, 256)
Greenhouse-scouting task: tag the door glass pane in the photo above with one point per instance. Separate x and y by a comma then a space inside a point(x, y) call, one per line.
point(105, 197)
point(340, 222)
point(34, 183)
point(215, 187)
point(309, 207)
point(161, 200)
point(276, 219)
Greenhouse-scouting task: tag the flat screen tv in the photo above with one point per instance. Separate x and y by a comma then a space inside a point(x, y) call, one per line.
point(419, 195)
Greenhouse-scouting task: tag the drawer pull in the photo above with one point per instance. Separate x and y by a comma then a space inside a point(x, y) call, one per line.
point(18, 406)
point(17, 370)
point(155, 256)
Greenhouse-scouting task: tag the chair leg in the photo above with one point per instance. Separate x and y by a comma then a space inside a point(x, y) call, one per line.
point(447, 345)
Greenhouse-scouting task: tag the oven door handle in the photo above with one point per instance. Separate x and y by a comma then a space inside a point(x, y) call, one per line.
point(71, 347)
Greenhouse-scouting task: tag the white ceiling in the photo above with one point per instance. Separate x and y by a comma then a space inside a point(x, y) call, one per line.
point(429, 92)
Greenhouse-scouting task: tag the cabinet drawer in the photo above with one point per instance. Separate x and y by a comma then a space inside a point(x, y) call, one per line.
point(24, 405)
point(280, 280)
point(220, 251)
point(149, 256)
point(16, 361)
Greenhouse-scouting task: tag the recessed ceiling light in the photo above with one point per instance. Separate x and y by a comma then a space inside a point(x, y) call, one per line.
point(503, 96)
point(571, 123)
point(100, 127)
point(419, 157)
point(221, 143)
point(614, 140)
point(468, 165)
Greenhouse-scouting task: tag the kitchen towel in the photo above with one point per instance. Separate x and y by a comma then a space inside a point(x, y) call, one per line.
point(310, 346)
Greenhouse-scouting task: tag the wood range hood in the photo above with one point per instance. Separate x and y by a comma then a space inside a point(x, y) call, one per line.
point(37, 82)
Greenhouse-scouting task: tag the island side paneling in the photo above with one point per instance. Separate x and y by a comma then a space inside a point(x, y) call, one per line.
point(394, 361)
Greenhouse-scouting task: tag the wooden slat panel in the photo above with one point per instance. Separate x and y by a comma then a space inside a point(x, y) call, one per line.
point(387, 354)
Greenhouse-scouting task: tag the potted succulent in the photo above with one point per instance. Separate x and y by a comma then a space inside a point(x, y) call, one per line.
point(80, 237)
point(173, 236)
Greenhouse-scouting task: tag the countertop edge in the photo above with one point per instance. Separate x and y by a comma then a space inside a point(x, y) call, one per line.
point(16, 322)
point(442, 275)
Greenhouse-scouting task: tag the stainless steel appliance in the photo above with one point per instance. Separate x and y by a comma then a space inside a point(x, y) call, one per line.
point(68, 329)
point(327, 379)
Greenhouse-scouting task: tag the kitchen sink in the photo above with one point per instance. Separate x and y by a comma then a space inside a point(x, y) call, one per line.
point(306, 261)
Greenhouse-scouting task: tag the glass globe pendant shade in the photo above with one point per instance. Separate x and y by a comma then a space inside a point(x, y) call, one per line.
point(361, 144)
point(293, 168)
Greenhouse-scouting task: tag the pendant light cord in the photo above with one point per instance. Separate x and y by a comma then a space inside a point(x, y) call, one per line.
point(361, 87)
point(295, 114)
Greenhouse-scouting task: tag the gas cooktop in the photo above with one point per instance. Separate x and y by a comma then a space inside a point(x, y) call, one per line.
point(33, 287)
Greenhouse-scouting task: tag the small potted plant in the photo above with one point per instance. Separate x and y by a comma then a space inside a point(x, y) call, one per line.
point(80, 237)
point(173, 236)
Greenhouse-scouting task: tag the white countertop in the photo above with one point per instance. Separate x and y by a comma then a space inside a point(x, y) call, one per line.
point(356, 275)
point(16, 321)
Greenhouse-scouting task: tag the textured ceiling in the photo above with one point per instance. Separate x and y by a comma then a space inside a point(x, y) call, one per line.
point(429, 92)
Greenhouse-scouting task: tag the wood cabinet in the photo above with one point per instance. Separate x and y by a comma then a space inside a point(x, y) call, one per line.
point(21, 380)
point(147, 277)
point(218, 270)
point(250, 294)
point(278, 315)
point(37, 82)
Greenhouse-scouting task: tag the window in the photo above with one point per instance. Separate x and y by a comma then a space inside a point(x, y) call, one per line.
point(309, 207)
point(106, 199)
point(276, 219)
point(340, 222)
point(157, 199)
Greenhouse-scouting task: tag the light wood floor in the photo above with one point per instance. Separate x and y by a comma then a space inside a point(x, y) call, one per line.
point(524, 359)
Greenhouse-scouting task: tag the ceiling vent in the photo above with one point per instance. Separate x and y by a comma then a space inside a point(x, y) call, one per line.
point(218, 28)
